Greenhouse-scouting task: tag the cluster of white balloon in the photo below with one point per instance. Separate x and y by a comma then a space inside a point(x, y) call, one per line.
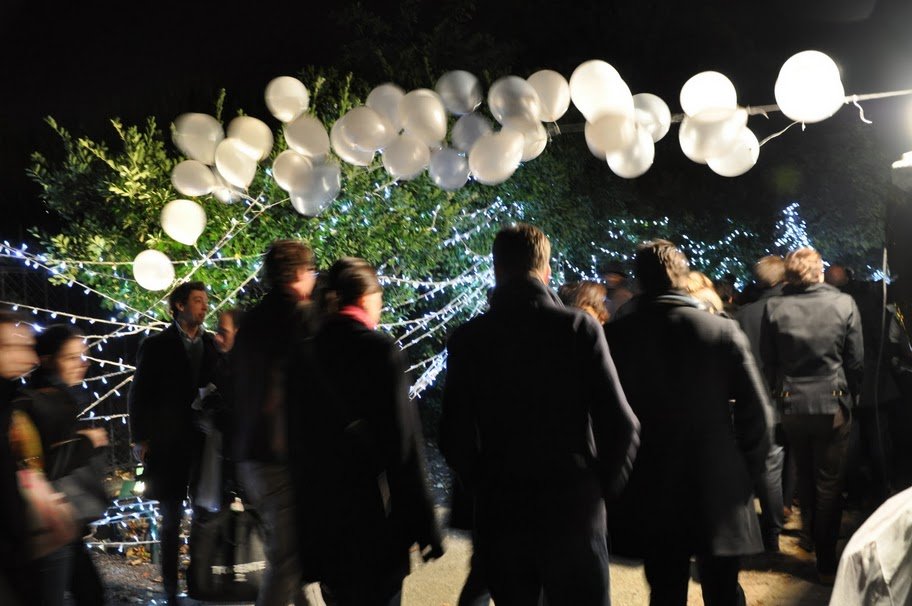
point(409, 129)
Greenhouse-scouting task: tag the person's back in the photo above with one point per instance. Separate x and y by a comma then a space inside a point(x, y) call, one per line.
point(535, 425)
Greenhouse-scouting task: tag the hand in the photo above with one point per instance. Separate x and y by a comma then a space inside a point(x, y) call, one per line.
point(140, 450)
point(96, 435)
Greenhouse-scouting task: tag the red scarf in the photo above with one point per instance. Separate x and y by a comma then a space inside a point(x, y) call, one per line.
point(358, 314)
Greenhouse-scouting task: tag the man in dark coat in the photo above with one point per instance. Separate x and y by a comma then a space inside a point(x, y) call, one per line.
point(691, 490)
point(536, 426)
point(18, 577)
point(260, 363)
point(769, 278)
point(812, 349)
point(171, 367)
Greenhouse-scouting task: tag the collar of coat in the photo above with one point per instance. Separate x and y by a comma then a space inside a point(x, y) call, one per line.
point(523, 292)
point(672, 298)
point(792, 289)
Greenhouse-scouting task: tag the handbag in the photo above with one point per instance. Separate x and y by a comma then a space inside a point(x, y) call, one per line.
point(78, 473)
point(227, 557)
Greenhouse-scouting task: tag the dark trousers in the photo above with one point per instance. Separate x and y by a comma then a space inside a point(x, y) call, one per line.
point(820, 455)
point(85, 584)
point(475, 590)
point(769, 491)
point(172, 513)
point(534, 543)
point(668, 574)
point(53, 576)
point(869, 452)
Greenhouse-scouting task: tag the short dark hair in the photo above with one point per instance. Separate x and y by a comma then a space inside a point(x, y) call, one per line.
point(283, 260)
point(351, 278)
point(521, 249)
point(181, 294)
point(49, 341)
point(232, 312)
point(660, 266)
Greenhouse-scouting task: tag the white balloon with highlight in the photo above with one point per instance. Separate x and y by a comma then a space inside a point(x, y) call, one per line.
point(287, 98)
point(460, 91)
point(513, 97)
point(708, 90)
point(809, 88)
point(318, 191)
point(711, 133)
point(366, 129)
point(197, 136)
point(449, 170)
point(183, 220)
point(596, 88)
point(344, 148)
point(634, 161)
point(193, 178)
point(468, 129)
point(290, 169)
point(535, 137)
point(424, 116)
point(652, 114)
point(384, 100)
point(553, 92)
point(496, 156)
point(253, 135)
point(307, 136)
point(234, 163)
point(153, 270)
point(612, 133)
point(742, 157)
point(406, 157)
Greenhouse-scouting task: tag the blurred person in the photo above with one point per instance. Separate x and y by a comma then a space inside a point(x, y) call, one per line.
point(52, 405)
point(769, 276)
point(171, 368)
point(358, 449)
point(620, 292)
point(728, 294)
point(700, 287)
point(18, 576)
point(691, 490)
point(228, 321)
point(812, 350)
point(536, 427)
point(588, 296)
point(261, 363)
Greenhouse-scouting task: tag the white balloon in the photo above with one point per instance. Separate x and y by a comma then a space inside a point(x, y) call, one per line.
point(513, 97)
point(183, 220)
point(809, 88)
point(740, 159)
point(406, 157)
point(318, 191)
point(366, 129)
point(234, 164)
point(652, 114)
point(612, 133)
point(553, 92)
point(535, 137)
point(287, 98)
point(253, 135)
point(384, 100)
point(596, 89)
point(153, 270)
point(193, 178)
point(708, 90)
point(467, 130)
point(290, 169)
point(460, 91)
point(223, 190)
point(593, 143)
point(307, 136)
point(634, 161)
point(197, 135)
point(343, 147)
point(496, 156)
point(449, 170)
point(423, 115)
point(711, 133)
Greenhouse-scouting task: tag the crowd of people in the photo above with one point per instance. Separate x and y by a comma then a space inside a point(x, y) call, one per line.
point(632, 417)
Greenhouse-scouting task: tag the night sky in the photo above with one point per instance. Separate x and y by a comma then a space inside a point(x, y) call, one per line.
point(83, 64)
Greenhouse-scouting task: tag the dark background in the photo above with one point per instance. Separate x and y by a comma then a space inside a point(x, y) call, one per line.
point(84, 64)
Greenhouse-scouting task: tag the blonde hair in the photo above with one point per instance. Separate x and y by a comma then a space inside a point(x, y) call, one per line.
point(700, 287)
point(769, 270)
point(803, 267)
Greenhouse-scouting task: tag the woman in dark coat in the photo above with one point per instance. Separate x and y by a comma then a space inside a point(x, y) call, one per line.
point(357, 449)
point(52, 406)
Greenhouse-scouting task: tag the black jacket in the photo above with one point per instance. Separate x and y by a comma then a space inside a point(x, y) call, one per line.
point(163, 390)
point(357, 454)
point(532, 401)
point(259, 362)
point(812, 349)
point(750, 318)
point(692, 486)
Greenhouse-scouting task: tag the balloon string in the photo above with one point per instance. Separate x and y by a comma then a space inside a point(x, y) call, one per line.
point(774, 135)
point(860, 110)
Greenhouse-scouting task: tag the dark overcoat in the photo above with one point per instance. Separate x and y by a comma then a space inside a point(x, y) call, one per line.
point(691, 489)
point(533, 408)
point(357, 456)
point(160, 397)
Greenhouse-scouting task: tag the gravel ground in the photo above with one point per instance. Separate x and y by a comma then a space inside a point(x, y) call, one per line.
point(787, 581)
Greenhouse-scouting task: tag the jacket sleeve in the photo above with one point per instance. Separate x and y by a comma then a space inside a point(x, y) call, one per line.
point(457, 435)
point(142, 392)
point(853, 351)
point(769, 359)
point(752, 413)
point(615, 429)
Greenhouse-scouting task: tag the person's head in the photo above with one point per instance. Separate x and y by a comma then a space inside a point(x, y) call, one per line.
point(725, 290)
point(588, 296)
point(290, 266)
point(227, 327)
point(353, 281)
point(61, 349)
point(769, 271)
point(17, 346)
point(614, 277)
point(520, 251)
point(804, 267)
point(836, 275)
point(189, 304)
point(660, 266)
point(701, 288)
